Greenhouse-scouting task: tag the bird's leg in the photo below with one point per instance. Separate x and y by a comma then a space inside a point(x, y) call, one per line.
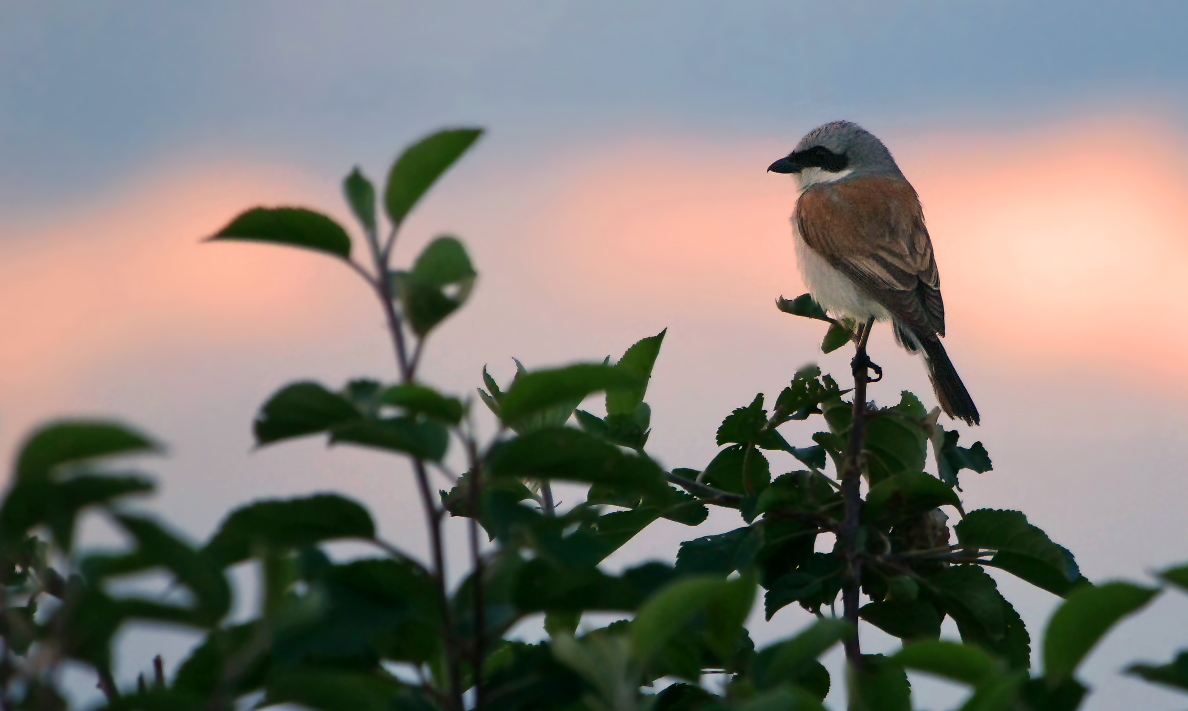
point(861, 361)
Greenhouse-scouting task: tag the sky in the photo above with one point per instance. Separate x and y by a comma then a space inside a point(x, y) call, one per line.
point(619, 190)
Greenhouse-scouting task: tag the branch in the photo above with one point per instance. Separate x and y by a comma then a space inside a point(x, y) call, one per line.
point(851, 489)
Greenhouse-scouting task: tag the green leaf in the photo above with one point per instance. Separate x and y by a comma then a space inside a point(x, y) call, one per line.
point(292, 226)
point(896, 440)
point(572, 455)
point(951, 459)
point(1173, 674)
point(907, 620)
point(1023, 548)
point(540, 390)
point(419, 167)
point(57, 504)
point(422, 400)
point(286, 524)
point(360, 194)
point(949, 660)
point(905, 495)
point(720, 554)
point(1044, 695)
point(813, 584)
point(202, 672)
point(836, 337)
point(639, 360)
point(879, 685)
point(425, 305)
point(1000, 693)
point(803, 305)
point(443, 262)
point(1040, 573)
point(300, 409)
point(75, 441)
point(359, 611)
point(725, 604)
point(1177, 576)
point(1083, 619)
point(424, 439)
point(726, 470)
point(157, 547)
point(330, 690)
point(786, 660)
point(970, 596)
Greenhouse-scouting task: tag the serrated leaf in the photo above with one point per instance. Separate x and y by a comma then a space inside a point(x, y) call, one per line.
point(291, 226)
point(1023, 548)
point(951, 459)
point(423, 400)
point(419, 167)
point(1083, 619)
point(284, 524)
point(539, 390)
point(300, 409)
point(360, 195)
point(65, 442)
point(983, 616)
point(726, 471)
point(639, 360)
point(949, 660)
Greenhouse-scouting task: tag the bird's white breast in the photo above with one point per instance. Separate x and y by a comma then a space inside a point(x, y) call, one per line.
point(830, 288)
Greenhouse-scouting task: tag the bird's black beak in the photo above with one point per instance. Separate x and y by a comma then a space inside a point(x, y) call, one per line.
point(785, 165)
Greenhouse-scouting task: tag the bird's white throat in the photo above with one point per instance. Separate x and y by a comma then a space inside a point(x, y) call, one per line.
point(809, 177)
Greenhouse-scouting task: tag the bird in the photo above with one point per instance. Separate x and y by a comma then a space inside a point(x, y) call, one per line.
point(864, 252)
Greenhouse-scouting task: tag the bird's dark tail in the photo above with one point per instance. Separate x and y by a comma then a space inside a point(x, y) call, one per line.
point(950, 391)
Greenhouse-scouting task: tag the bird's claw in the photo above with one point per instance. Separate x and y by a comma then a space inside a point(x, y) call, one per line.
point(863, 364)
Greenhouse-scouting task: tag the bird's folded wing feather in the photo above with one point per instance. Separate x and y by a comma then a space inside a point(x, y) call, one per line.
point(872, 230)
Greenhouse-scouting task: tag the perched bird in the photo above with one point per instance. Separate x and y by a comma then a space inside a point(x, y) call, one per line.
point(863, 249)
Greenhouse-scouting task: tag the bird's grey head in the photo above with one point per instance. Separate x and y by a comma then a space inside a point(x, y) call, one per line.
point(834, 151)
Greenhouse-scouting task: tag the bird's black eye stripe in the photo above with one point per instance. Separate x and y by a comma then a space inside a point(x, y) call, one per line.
point(821, 157)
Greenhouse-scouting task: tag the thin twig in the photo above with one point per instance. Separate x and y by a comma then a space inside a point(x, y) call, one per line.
point(394, 552)
point(851, 483)
point(476, 469)
point(697, 488)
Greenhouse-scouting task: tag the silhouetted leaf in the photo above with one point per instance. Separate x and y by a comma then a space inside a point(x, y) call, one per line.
point(1024, 549)
point(725, 604)
point(879, 685)
point(57, 504)
point(970, 596)
point(726, 470)
point(951, 459)
point(720, 554)
point(538, 390)
point(904, 495)
point(425, 439)
point(288, 524)
point(803, 305)
point(421, 164)
point(572, 455)
point(957, 662)
point(813, 584)
point(300, 409)
point(1173, 674)
point(423, 400)
point(912, 620)
point(639, 360)
point(292, 226)
point(360, 194)
point(75, 441)
point(787, 660)
point(329, 690)
point(1083, 619)
point(836, 337)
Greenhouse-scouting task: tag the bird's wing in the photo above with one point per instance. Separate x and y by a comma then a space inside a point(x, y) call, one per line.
point(871, 229)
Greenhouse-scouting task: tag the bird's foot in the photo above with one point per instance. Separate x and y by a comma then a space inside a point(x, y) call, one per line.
point(863, 364)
